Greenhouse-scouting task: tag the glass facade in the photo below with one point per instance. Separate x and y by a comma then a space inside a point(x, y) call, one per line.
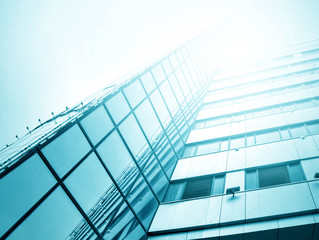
point(103, 174)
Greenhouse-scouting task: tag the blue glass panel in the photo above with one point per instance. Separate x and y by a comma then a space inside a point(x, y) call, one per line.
point(55, 218)
point(158, 73)
point(21, 189)
point(169, 97)
point(66, 150)
point(118, 160)
point(148, 82)
point(160, 108)
point(147, 118)
point(97, 124)
point(134, 137)
point(134, 93)
point(118, 107)
point(89, 182)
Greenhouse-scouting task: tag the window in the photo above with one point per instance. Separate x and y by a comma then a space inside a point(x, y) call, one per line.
point(275, 175)
point(196, 187)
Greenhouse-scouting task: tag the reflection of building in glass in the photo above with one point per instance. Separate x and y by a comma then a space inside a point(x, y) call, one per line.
point(178, 151)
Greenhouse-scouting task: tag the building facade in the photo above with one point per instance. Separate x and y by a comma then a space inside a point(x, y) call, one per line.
point(178, 151)
point(250, 167)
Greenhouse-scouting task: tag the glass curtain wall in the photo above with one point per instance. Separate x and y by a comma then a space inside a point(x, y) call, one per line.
point(104, 175)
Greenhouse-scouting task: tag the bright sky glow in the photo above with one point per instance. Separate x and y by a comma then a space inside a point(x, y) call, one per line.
point(55, 53)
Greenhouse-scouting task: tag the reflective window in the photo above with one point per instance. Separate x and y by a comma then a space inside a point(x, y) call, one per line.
point(89, 182)
point(158, 73)
point(114, 104)
point(55, 218)
point(160, 108)
point(177, 90)
point(21, 189)
point(169, 97)
point(116, 157)
point(197, 187)
point(66, 150)
point(274, 175)
point(266, 137)
point(208, 148)
point(134, 93)
point(298, 131)
point(123, 225)
point(142, 201)
point(148, 82)
point(97, 124)
point(148, 120)
point(313, 128)
point(270, 176)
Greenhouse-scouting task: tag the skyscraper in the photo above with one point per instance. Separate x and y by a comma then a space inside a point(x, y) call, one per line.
point(178, 151)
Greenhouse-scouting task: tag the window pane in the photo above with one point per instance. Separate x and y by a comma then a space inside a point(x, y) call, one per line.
point(208, 148)
point(158, 73)
point(148, 82)
point(273, 176)
point(237, 142)
point(251, 180)
point(97, 124)
point(298, 131)
point(118, 160)
point(219, 183)
point(142, 201)
point(134, 93)
point(267, 137)
point(284, 134)
point(197, 188)
point(54, 219)
point(313, 128)
point(147, 118)
point(134, 137)
point(175, 191)
point(160, 108)
point(169, 97)
point(118, 107)
point(89, 182)
point(21, 189)
point(66, 150)
point(295, 172)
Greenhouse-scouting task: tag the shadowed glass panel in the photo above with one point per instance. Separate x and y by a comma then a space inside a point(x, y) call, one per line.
point(89, 183)
point(273, 176)
point(66, 150)
point(97, 124)
point(160, 108)
point(21, 189)
point(147, 118)
point(123, 225)
point(55, 218)
point(134, 138)
point(118, 160)
point(142, 201)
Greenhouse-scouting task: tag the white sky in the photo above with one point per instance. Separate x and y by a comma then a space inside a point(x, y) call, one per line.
point(55, 53)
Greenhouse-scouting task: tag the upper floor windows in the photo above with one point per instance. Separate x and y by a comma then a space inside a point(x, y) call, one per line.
point(198, 187)
point(274, 175)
